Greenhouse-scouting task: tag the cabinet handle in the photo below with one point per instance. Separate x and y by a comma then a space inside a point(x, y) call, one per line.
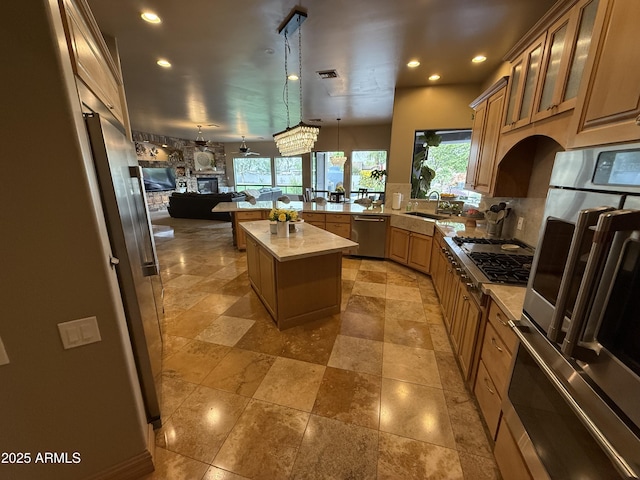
point(493, 342)
point(464, 297)
point(638, 120)
point(110, 106)
point(488, 385)
point(500, 320)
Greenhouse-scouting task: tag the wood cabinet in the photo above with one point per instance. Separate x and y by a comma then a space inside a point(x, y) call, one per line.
point(247, 216)
point(525, 71)
point(508, 456)
point(315, 219)
point(608, 106)
point(338, 224)
point(484, 138)
point(565, 55)
point(92, 60)
point(464, 327)
point(291, 297)
point(498, 346)
point(411, 249)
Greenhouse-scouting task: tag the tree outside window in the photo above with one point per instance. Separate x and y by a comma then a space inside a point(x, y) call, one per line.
point(363, 164)
point(252, 172)
point(289, 174)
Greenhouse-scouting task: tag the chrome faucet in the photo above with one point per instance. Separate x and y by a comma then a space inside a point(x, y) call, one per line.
point(437, 195)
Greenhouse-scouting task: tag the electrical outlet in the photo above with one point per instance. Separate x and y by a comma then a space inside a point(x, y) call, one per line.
point(520, 223)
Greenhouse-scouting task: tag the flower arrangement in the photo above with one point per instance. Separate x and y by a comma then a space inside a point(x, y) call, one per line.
point(283, 215)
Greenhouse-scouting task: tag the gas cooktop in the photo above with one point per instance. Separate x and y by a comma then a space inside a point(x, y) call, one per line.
point(500, 260)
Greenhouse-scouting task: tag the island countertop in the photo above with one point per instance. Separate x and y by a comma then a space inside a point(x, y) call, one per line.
point(308, 241)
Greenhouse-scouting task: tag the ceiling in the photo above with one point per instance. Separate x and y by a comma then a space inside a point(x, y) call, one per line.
point(227, 58)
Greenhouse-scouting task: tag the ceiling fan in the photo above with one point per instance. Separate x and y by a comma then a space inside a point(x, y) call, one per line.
point(244, 149)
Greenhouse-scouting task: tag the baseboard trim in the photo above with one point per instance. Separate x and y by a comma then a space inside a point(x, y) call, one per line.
point(131, 469)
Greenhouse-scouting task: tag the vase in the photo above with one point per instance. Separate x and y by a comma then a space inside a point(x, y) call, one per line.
point(273, 228)
point(283, 229)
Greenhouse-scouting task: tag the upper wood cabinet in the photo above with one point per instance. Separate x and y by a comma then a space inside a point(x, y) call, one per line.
point(608, 106)
point(525, 71)
point(484, 137)
point(92, 61)
point(566, 50)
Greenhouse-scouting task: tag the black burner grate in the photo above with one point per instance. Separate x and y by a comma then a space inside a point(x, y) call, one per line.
point(503, 268)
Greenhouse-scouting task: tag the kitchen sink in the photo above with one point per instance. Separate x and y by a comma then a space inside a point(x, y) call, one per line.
point(432, 216)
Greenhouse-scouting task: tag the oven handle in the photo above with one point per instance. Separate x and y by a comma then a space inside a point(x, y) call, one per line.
point(608, 224)
point(609, 449)
point(586, 218)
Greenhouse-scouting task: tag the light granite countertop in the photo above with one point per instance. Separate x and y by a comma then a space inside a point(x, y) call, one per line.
point(509, 298)
point(345, 208)
point(308, 241)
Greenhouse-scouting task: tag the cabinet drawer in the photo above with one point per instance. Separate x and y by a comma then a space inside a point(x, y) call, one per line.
point(499, 321)
point(316, 224)
point(313, 217)
point(488, 398)
point(341, 229)
point(242, 216)
point(337, 218)
point(496, 358)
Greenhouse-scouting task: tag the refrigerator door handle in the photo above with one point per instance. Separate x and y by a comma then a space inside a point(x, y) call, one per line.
point(148, 253)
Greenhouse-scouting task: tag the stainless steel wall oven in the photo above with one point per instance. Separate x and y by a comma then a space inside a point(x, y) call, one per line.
point(578, 366)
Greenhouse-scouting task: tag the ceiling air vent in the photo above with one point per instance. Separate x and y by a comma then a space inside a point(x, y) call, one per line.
point(324, 74)
point(315, 120)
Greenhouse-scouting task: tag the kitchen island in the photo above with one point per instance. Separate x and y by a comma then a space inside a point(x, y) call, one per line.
point(297, 278)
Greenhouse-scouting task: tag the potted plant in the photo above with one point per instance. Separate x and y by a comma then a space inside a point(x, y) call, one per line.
point(422, 174)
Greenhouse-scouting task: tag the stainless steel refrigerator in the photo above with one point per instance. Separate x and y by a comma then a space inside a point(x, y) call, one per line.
point(133, 251)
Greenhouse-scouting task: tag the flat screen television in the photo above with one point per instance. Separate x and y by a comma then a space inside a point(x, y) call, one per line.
point(159, 179)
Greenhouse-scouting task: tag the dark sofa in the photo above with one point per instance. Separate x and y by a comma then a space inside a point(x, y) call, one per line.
point(199, 205)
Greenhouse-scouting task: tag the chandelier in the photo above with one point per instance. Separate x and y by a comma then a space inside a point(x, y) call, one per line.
point(300, 138)
point(338, 159)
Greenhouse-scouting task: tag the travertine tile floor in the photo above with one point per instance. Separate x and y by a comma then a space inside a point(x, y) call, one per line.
point(374, 392)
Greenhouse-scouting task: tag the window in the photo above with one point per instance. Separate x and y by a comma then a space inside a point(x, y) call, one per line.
point(364, 162)
point(252, 172)
point(326, 175)
point(289, 174)
point(447, 157)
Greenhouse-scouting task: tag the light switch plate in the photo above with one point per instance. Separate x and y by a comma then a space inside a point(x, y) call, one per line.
point(4, 358)
point(520, 223)
point(79, 332)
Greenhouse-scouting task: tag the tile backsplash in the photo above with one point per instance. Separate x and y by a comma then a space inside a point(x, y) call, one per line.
point(531, 209)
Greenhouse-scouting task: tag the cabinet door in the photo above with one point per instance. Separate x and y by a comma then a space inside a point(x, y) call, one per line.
point(477, 134)
point(399, 245)
point(608, 105)
point(469, 333)
point(485, 175)
point(268, 279)
point(564, 59)
point(420, 252)
point(525, 74)
point(253, 262)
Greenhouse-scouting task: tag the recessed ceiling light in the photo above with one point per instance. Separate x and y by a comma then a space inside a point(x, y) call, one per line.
point(413, 64)
point(434, 77)
point(150, 17)
point(478, 59)
point(293, 77)
point(163, 63)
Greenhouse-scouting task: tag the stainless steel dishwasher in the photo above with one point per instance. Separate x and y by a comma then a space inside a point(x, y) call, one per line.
point(370, 231)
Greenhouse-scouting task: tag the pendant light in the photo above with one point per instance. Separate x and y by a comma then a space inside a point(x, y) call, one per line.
point(300, 138)
point(339, 158)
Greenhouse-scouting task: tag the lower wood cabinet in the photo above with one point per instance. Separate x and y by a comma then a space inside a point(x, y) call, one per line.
point(248, 216)
point(508, 456)
point(411, 249)
point(338, 224)
point(498, 346)
point(464, 327)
